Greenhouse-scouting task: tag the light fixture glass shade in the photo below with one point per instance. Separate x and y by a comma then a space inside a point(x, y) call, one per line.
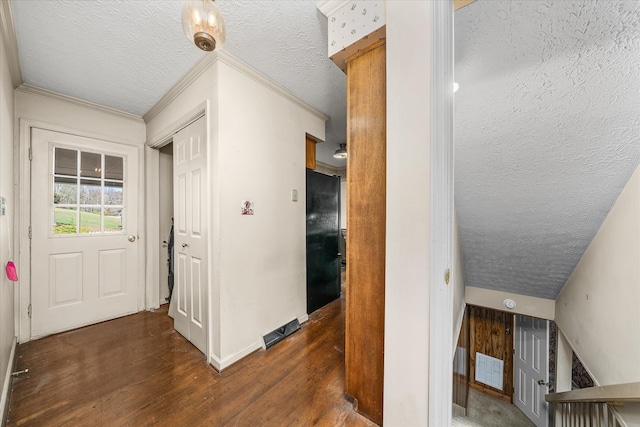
point(341, 153)
point(203, 24)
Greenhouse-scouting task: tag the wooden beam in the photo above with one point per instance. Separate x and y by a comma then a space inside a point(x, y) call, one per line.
point(310, 153)
point(366, 216)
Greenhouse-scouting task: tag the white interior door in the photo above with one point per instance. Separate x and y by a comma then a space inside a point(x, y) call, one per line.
point(190, 231)
point(531, 368)
point(84, 248)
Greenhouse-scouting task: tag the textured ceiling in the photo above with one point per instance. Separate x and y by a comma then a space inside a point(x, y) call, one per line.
point(127, 54)
point(547, 134)
point(547, 115)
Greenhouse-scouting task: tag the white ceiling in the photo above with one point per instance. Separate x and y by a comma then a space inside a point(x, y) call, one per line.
point(127, 54)
point(547, 115)
point(547, 134)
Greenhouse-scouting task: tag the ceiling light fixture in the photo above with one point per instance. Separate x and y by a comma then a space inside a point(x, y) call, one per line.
point(203, 24)
point(341, 153)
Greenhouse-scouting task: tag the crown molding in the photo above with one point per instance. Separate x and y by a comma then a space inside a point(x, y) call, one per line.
point(254, 74)
point(196, 71)
point(27, 88)
point(226, 58)
point(10, 43)
point(328, 7)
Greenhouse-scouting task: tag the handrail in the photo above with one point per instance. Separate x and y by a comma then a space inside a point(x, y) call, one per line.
point(629, 392)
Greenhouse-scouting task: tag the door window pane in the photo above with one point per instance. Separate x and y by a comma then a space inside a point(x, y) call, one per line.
point(90, 165)
point(88, 198)
point(66, 162)
point(64, 221)
point(90, 192)
point(90, 220)
point(65, 191)
point(112, 220)
point(113, 167)
point(112, 193)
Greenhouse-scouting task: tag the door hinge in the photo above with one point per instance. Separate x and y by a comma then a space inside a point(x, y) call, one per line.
point(30, 154)
point(29, 310)
point(30, 233)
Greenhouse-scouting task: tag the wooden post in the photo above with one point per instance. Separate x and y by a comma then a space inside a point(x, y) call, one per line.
point(366, 204)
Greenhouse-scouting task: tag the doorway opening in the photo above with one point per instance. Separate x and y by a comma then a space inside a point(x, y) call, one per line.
point(165, 213)
point(501, 365)
point(177, 193)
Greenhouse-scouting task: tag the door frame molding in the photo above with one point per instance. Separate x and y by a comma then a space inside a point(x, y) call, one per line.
point(152, 198)
point(22, 176)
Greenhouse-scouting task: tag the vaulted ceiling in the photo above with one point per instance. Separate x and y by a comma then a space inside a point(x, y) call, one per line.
point(547, 134)
point(547, 115)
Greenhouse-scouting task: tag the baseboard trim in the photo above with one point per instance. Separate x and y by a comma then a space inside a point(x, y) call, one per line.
point(222, 364)
point(490, 392)
point(459, 411)
point(303, 318)
point(6, 387)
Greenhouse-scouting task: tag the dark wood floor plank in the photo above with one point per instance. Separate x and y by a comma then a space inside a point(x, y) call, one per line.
point(137, 371)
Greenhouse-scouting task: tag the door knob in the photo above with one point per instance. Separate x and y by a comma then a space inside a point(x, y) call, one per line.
point(132, 238)
point(184, 245)
point(543, 382)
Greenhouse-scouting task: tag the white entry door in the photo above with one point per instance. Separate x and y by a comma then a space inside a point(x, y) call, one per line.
point(531, 368)
point(190, 231)
point(84, 248)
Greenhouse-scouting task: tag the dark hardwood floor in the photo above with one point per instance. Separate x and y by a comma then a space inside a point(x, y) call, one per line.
point(137, 371)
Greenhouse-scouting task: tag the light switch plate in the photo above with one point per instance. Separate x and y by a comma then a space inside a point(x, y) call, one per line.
point(294, 195)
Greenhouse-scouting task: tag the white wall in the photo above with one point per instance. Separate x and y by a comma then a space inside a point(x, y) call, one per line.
point(597, 310)
point(256, 152)
point(419, 214)
point(263, 257)
point(527, 305)
point(7, 322)
point(457, 283)
point(88, 120)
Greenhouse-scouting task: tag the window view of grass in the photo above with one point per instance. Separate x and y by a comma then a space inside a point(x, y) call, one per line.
point(65, 221)
point(79, 179)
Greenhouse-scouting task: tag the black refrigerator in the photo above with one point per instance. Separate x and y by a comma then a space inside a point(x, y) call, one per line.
point(323, 231)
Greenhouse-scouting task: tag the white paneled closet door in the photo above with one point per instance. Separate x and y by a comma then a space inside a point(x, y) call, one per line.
point(190, 233)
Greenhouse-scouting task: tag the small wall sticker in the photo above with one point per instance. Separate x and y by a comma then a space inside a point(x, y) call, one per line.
point(247, 207)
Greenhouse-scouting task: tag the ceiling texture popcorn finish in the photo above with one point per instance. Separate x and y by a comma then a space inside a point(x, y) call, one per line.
point(547, 115)
point(127, 54)
point(547, 134)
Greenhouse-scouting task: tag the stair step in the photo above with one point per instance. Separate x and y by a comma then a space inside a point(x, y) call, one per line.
point(464, 421)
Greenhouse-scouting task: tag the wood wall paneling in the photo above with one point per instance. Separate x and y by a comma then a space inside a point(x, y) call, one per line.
point(366, 204)
point(310, 153)
point(487, 335)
